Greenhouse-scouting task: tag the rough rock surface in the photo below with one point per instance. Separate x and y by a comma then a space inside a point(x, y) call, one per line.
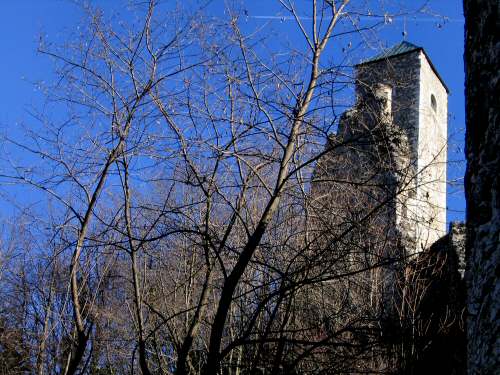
point(482, 66)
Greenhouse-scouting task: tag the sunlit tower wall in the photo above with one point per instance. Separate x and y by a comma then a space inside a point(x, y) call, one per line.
point(419, 105)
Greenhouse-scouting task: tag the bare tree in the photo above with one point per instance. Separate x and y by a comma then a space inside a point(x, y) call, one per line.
point(201, 228)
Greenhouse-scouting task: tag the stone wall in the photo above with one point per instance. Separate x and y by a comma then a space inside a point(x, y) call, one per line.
point(402, 74)
point(420, 107)
point(432, 156)
point(482, 183)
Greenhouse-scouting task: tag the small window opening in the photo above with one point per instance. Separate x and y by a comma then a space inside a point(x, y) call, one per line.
point(433, 102)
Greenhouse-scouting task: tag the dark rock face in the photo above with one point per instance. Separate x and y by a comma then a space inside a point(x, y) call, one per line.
point(482, 65)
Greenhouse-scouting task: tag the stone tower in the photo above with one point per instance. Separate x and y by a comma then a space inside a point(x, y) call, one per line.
point(379, 194)
point(416, 100)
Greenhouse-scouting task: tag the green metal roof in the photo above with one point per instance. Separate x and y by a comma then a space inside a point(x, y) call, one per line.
point(398, 49)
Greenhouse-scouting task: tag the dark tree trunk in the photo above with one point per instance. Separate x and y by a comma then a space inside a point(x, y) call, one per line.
point(482, 89)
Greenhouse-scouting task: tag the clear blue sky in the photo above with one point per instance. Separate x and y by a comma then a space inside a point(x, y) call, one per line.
point(22, 22)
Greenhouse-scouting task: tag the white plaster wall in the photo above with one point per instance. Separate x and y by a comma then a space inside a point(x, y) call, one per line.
point(432, 157)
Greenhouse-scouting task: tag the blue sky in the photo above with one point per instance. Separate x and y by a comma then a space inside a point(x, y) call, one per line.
point(439, 30)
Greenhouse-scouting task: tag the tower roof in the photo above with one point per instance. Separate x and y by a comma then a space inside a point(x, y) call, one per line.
point(398, 49)
point(401, 49)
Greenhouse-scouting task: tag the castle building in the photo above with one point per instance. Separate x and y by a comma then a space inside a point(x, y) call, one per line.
point(379, 191)
point(381, 184)
point(401, 96)
point(417, 100)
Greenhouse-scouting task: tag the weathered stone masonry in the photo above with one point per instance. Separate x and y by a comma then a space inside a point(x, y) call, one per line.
point(482, 183)
point(419, 105)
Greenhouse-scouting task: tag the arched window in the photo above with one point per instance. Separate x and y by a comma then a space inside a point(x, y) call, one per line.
point(433, 102)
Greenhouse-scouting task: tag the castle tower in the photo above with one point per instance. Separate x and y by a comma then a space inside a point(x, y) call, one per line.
point(417, 100)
